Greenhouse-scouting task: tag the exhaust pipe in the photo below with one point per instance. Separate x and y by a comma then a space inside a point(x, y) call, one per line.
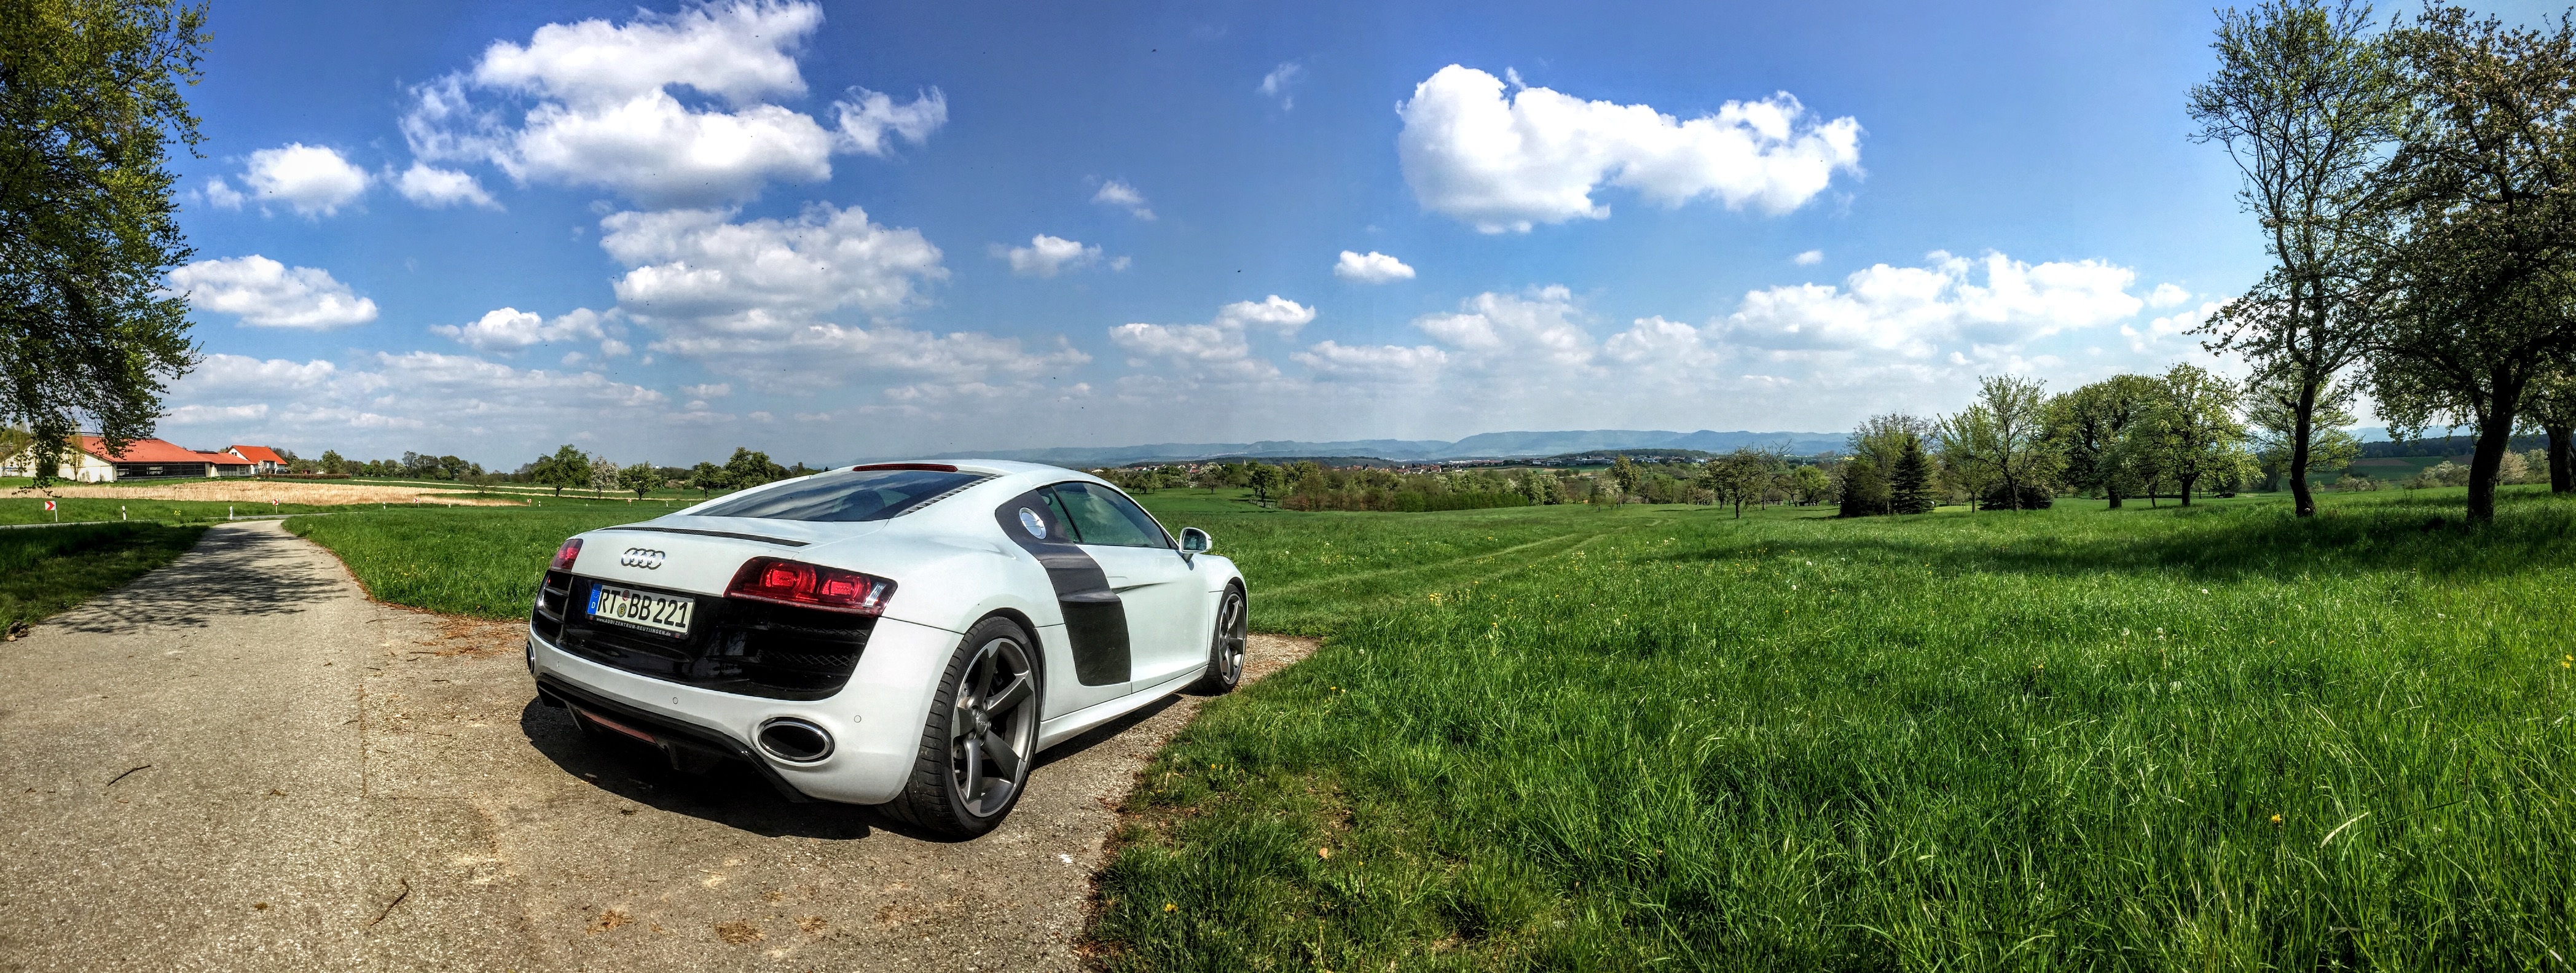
point(794, 741)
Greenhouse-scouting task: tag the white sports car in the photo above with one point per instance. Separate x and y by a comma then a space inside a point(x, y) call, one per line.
point(903, 634)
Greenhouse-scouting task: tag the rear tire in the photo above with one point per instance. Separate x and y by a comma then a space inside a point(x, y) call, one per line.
point(1225, 647)
point(981, 738)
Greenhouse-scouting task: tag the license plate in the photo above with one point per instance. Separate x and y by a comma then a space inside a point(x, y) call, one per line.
point(641, 609)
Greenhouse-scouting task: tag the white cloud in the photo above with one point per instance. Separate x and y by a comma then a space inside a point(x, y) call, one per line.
point(1809, 258)
point(754, 299)
point(312, 180)
point(867, 117)
point(1541, 329)
point(1915, 311)
point(697, 272)
point(596, 106)
point(436, 188)
point(1279, 80)
point(220, 372)
point(1504, 163)
point(1118, 193)
point(268, 294)
point(2177, 324)
point(1214, 352)
point(715, 390)
point(511, 329)
point(1372, 363)
point(2167, 295)
point(1047, 256)
point(206, 415)
point(1275, 313)
point(1374, 268)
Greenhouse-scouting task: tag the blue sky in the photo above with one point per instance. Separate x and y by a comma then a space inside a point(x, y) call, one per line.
point(843, 231)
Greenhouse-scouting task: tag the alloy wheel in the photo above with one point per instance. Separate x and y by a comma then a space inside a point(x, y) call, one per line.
point(993, 727)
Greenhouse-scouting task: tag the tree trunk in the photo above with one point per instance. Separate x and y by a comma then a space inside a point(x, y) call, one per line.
point(2495, 435)
point(2186, 489)
point(2303, 426)
point(2562, 461)
point(2115, 496)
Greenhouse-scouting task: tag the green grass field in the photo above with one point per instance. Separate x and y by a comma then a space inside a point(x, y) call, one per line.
point(481, 562)
point(1580, 737)
point(2047, 740)
point(74, 509)
point(45, 570)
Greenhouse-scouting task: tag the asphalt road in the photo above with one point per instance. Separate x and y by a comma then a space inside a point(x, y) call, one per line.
point(240, 763)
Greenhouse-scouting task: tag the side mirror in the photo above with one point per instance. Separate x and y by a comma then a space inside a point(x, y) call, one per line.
point(1195, 541)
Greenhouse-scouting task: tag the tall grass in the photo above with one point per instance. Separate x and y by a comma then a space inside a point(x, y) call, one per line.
point(48, 569)
point(2217, 738)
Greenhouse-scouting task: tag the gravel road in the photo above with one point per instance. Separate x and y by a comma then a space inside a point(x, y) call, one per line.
point(238, 763)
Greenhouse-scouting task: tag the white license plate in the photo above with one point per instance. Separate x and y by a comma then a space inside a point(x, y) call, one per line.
point(640, 609)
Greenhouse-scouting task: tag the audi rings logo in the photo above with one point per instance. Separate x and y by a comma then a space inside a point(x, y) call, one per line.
point(637, 557)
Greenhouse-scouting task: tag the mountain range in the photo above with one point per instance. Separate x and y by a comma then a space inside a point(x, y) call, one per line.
point(1491, 445)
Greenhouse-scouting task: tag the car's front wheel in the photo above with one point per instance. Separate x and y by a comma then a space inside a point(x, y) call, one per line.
point(981, 738)
point(1225, 645)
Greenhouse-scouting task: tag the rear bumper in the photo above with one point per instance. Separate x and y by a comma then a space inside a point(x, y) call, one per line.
point(875, 721)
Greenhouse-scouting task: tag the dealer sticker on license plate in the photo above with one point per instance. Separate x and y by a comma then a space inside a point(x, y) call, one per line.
point(640, 609)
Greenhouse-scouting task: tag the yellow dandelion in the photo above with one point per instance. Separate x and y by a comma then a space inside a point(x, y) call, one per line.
point(2276, 819)
point(1168, 907)
point(1323, 853)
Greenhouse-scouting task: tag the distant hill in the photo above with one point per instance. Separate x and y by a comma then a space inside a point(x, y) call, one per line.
point(1492, 445)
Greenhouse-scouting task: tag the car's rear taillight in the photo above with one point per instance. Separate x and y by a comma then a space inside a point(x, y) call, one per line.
point(788, 582)
point(565, 555)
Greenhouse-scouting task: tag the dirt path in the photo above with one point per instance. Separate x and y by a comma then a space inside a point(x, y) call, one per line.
point(326, 783)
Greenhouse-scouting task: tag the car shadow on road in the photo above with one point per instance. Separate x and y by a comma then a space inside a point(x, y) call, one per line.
point(227, 574)
point(733, 794)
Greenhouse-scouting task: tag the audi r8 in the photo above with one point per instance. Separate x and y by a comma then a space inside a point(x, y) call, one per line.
point(909, 635)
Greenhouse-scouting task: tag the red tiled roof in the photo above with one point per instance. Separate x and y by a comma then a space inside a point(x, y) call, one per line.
point(148, 451)
point(259, 454)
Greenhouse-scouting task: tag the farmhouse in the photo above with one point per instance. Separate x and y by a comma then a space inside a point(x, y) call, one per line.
point(148, 459)
point(263, 460)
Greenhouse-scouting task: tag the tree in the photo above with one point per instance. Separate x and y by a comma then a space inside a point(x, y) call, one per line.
point(748, 468)
point(1741, 476)
point(2305, 102)
point(89, 100)
point(334, 463)
point(603, 475)
point(1910, 487)
point(706, 478)
point(1808, 484)
point(567, 467)
point(2272, 414)
point(1624, 472)
point(2550, 401)
point(2193, 430)
point(639, 477)
point(2091, 427)
point(1264, 480)
point(2481, 191)
point(2002, 440)
point(1875, 446)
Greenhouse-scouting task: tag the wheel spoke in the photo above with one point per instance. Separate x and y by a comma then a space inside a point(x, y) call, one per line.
point(1006, 761)
point(967, 785)
point(1002, 701)
point(960, 720)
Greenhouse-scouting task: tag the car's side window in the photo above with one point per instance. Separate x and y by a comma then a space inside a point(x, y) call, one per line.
point(1056, 507)
point(1101, 516)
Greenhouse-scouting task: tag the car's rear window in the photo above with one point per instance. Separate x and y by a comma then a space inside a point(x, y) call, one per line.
point(856, 495)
